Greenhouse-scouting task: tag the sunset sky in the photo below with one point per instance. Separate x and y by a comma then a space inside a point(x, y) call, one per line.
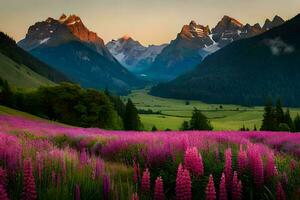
point(150, 22)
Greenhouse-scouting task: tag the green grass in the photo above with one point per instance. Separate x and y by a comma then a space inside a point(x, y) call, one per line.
point(20, 76)
point(9, 111)
point(174, 112)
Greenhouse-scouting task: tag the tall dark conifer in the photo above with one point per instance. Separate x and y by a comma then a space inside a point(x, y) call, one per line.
point(288, 120)
point(297, 123)
point(199, 121)
point(279, 112)
point(131, 118)
point(269, 120)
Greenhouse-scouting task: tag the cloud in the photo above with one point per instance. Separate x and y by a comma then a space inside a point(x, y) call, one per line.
point(279, 47)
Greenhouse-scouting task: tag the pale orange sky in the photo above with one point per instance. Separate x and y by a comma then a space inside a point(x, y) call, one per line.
point(150, 22)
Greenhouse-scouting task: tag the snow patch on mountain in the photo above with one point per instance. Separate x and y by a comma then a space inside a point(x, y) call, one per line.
point(44, 40)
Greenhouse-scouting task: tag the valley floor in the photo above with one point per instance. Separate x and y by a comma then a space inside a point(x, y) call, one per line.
point(174, 112)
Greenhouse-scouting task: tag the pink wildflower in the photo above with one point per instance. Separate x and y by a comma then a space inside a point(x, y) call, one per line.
point(228, 167)
point(222, 189)
point(256, 164)
point(183, 184)
point(270, 166)
point(210, 189)
point(159, 189)
point(193, 161)
point(242, 160)
point(145, 187)
point(29, 191)
point(236, 187)
point(135, 172)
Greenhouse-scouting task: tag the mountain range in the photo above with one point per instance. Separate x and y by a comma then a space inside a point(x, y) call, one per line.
point(246, 71)
point(68, 46)
point(132, 54)
point(195, 42)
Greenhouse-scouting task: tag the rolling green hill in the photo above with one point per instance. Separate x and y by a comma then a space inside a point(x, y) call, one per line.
point(20, 75)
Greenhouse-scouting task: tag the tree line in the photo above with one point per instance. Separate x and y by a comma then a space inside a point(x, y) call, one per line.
point(275, 119)
point(69, 103)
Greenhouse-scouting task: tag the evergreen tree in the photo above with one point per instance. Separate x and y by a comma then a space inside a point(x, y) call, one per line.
point(288, 120)
point(297, 123)
point(269, 118)
point(6, 94)
point(284, 127)
point(154, 129)
point(279, 112)
point(255, 128)
point(131, 117)
point(243, 128)
point(185, 126)
point(199, 121)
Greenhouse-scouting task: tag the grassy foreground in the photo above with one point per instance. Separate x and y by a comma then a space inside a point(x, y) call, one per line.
point(174, 112)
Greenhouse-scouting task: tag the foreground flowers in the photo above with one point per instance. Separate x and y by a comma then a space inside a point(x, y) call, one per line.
point(40, 160)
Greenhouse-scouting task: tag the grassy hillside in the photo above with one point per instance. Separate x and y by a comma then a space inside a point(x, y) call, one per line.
point(20, 75)
point(174, 112)
point(9, 111)
point(9, 48)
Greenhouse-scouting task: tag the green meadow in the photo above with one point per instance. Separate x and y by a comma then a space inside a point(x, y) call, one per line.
point(174, 112)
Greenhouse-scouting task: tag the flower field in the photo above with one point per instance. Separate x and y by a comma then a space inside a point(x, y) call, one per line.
point(43, 160)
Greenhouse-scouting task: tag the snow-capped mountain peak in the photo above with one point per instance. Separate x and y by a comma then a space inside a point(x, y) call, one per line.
point(132, 54)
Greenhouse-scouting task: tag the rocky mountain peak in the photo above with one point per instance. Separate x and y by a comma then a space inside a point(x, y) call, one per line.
point(63, 17)
point(227, 24)
point(194, 30)
point(277, 21)
point(78, 29)
point(126, 38)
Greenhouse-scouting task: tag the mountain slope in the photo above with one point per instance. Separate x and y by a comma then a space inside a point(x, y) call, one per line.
point(20, 76)
point(183, 53)
point(246, 71)
point(131, 54)
point(71, 48)
point(15, 56)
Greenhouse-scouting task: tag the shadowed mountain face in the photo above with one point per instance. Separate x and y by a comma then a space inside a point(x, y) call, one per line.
point(195, 42)
point(132, 55)
point(71, 48)
point(22, 67)
point(246, 72)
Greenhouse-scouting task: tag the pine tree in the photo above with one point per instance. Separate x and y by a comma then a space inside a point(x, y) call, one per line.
point(288, 120)
point(255, 129)
point(131, 117)
point(199, 121)
point(269, 119)
point(279, 112)
point(185, 126)
point(154, 129)
point(6, 94)
point(297, 123)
